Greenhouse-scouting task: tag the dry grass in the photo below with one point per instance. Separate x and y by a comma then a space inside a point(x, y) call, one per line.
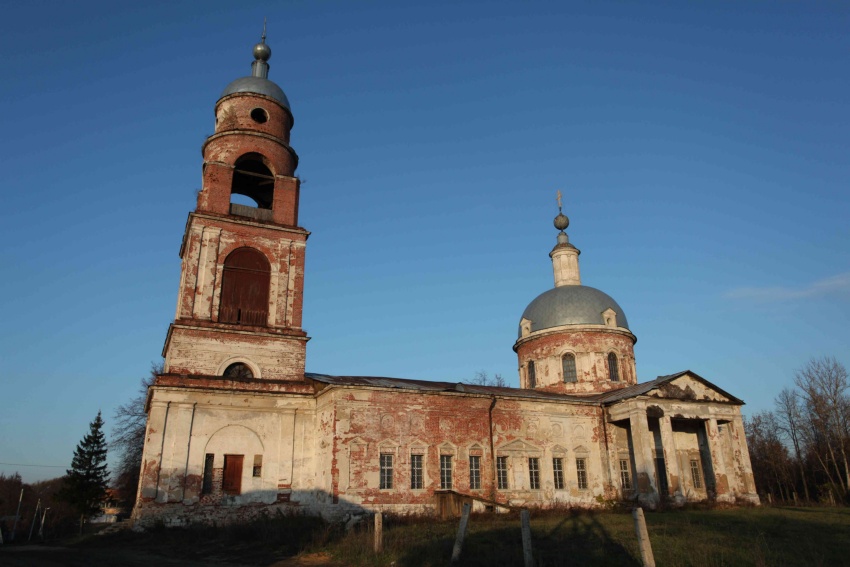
point(693, 537)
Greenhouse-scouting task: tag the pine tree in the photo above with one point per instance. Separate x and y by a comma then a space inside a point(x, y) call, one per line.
point(86, 481)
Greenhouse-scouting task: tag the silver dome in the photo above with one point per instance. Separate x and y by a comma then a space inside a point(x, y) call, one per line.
point(257, 85)
point(571, 305)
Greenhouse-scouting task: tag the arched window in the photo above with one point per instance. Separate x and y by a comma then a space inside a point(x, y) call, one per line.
point(613, 371)
point(238, 370)
point(245, 288)
point(568, 365)
point(532, 378)
point(254, 180)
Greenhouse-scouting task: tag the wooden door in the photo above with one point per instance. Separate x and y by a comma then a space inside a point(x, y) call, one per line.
point(232, 483)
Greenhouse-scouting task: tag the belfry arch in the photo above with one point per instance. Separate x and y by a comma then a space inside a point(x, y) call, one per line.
point(245, 288)
point(252, 178)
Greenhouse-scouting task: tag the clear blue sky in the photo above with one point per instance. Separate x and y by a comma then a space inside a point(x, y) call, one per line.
point(702, 149)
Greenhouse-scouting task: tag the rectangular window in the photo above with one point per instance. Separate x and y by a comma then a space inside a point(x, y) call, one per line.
point(416, 472)
point(232, 481)
point(502, 473)
point(386, 470)
point(474, 472)
point(568, 367)
point(625, 474)
point(581, 473)
point(558, 469)
point(696, 473)
point(534, 473)
point(258, 465)
point(446, 472)
point(206, 487)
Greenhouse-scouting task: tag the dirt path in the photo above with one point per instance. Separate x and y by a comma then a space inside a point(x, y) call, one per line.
point(49, 556)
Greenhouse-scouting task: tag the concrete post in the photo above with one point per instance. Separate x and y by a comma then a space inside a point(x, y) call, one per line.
point(379, 532)
point(642, 446)
point(527, 556)
point(461, 533)
point(643, 538)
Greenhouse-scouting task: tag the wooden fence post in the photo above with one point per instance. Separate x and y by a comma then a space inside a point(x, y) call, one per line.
point(379, 532)
point(643, 538)
point(461, 533)
point(527, 556)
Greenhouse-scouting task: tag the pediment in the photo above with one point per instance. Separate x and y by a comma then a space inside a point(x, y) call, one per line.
point(690, 387)
point(519, 446)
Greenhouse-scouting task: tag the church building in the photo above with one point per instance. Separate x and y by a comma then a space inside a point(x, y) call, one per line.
point(236, 427)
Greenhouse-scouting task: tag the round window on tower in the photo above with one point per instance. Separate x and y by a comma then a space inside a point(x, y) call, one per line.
point(260, 116)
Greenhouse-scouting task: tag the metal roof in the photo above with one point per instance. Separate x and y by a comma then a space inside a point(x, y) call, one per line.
point(571, 305)
point(640, 389)
point(458, 387)
point(606, 398)
point(257, 85)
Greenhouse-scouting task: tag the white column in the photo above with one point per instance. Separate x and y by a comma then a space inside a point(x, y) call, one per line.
point(642, 446)
point(671, 458)
point(207, 264)
point(718, 462)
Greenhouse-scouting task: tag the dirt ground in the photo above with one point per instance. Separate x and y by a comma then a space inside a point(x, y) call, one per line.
point(49, 556)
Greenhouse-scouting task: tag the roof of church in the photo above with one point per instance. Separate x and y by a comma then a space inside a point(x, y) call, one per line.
point(257, 85)
point(571, 305)
point(640, 389)
point(258, 81)
point(459, 387)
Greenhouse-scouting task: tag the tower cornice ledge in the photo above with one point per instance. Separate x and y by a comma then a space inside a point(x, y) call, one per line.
point(574, 328)
point(254, 133)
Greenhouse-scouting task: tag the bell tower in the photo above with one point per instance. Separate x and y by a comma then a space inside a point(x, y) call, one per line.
point(242, 277)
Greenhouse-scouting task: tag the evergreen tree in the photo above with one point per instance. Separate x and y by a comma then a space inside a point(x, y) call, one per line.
point(86, 481)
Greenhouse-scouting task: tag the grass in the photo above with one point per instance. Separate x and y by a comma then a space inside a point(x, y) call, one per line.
point(692, 537)
point(739, 536)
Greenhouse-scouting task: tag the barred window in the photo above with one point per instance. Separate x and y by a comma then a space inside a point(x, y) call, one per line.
point(625, 474)
point(258, 466)
point(532, 375)
point(386, 470)
point(696, 473)
point(474, 472)
point(568, 365)
point(534, 473)
point(416, 472)
point(502, 473)
point(558, 469)
point(613, 371)
point(446, 472)
point(581, 473)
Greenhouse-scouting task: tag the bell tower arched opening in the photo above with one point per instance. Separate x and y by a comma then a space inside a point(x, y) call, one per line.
point(245, 288)
point(253, 180)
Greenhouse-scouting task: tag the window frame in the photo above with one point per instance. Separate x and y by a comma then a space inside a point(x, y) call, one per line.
point(581, 473)
point(696, 473)
point(475, 472)
point(502, 473)
point(385, 465)
point(417, 467)
point(626, 475)
point(531, 374)
point(558, 472)
point(446, 472)
point(613, 367)
point(534, 473)
point(573, 373)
